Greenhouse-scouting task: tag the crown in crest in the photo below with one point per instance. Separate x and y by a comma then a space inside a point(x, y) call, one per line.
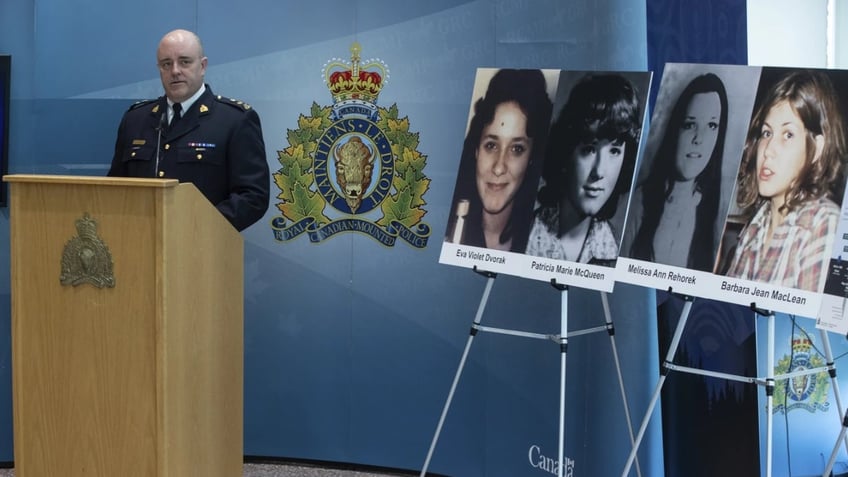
point(86, 227)
point(355, 80)
point(801, 344)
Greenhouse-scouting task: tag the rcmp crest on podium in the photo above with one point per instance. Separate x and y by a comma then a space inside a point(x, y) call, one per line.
point(86, 257)
point(353, 166)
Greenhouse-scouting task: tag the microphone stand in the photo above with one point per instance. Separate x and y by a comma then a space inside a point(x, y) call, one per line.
point(163, 122)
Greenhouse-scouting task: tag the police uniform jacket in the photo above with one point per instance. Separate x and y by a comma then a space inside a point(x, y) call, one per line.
point(217, 146)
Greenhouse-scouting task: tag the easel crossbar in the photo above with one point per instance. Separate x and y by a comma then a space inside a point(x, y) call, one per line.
point(540, 336)
point(802, 372)
point(587, 331)
point(746, 379)
point(714, 374)
point(523, 334)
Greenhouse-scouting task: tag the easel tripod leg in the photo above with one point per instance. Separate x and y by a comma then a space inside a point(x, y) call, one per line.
point(769, 393)
point(832, 460)
point(563, 351)
point(836, 394)
point(672, 350)
point(489, 282)
point(828, 354)
point(611, 332)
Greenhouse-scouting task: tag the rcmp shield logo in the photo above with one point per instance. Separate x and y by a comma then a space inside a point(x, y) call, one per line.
point(352, 166)
point(806, 391)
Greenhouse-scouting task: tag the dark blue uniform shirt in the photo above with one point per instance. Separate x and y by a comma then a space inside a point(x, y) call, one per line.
point(217, 146)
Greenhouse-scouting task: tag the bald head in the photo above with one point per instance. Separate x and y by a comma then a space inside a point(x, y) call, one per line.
point(182, 37)
point(182, 65)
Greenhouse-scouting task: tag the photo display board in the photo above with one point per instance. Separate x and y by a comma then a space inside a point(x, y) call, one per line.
point(834, 304)
point(545, 174)
point(739, 193)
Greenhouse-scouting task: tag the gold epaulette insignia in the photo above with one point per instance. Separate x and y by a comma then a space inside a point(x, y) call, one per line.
point(235, 102)
point(141, 103)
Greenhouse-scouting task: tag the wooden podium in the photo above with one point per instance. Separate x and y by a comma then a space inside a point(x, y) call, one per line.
point(138, 377)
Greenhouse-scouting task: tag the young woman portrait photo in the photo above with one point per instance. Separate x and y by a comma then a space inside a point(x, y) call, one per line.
point(591, 156)
point(501, 159)
point(686, 178)
point(791, 180)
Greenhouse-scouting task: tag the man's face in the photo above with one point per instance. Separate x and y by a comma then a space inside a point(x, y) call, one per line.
point(181, 66)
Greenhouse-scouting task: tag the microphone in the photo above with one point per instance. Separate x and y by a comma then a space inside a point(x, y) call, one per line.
point(163, 123)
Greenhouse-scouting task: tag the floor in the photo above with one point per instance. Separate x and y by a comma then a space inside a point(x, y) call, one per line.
point(286, 470)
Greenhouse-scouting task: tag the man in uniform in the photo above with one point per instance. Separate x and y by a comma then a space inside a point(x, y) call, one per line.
point(194, 136)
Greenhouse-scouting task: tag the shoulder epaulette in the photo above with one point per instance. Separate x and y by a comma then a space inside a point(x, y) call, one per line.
point(234, 102)
point(141, 103)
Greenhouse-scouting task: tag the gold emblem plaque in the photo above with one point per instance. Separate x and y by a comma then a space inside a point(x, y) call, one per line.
point(86, 258)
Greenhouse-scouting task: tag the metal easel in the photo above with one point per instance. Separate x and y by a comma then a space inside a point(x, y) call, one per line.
point(561, 338)
point(767, 382)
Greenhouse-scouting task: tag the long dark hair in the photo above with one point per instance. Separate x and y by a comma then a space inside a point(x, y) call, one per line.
point(658, 185)
point(528, 89)
point(603, 106)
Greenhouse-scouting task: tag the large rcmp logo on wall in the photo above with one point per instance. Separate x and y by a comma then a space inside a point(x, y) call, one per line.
point(352, 166)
